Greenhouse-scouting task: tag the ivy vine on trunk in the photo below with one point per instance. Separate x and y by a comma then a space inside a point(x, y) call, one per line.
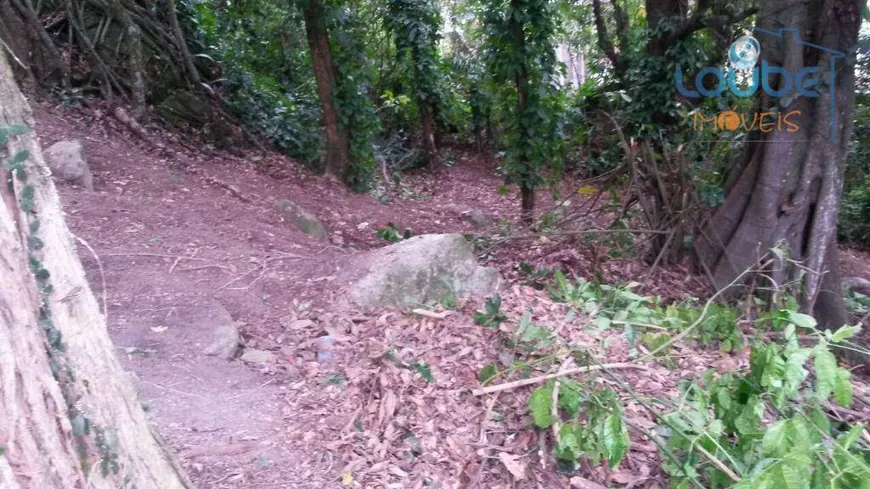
point(521, 51)
point(414, 24)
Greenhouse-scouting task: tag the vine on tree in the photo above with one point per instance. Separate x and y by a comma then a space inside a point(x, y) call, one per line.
point(520, 50)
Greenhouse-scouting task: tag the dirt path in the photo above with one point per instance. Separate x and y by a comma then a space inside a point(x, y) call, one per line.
point(188, 243)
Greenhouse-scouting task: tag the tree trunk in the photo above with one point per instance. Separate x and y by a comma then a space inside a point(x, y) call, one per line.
point(788, 192)
point(135, 64)
point(71, 418)
point(658, 11)
point(337, 144)
point(38, 53)
point(190, 68)
point(527, 193)
point(427, 122)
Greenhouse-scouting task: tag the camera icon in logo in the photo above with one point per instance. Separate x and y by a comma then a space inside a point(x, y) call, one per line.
point(744, 53)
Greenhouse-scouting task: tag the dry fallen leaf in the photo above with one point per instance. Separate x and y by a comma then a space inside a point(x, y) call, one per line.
point(513, 465)
point(581, 483)
point(388, 407)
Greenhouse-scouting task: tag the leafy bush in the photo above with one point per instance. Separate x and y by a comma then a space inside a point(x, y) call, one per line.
point(767, 427)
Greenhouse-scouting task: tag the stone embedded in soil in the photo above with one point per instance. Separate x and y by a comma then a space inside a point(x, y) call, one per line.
point(258, 356)
point(304, 220)
point(226, 342)
point(68, 162)
point(323, 345)
point(431, 267)
point(477, 219)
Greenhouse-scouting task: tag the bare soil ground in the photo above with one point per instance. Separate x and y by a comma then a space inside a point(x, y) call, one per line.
point(187, 240)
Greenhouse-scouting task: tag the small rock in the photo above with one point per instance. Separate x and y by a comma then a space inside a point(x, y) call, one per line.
point(225, 344)
point(477, 219)
point(68, 162)
point(304, 220)
point(257, 356)
point(324, 343)
point(323, 346)
point(324, 356)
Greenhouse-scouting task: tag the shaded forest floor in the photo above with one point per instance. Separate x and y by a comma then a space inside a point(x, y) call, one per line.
point(189, 240)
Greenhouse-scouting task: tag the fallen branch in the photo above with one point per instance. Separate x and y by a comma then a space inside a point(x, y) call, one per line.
point(102, 275)
point(543, 378)
point(430, 314)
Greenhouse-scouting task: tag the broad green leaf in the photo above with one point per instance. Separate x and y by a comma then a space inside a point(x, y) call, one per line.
point(568, 447)
point(569, 398)
point(787, 476)
point(802, 320)
point(843, 387)
point(826, 372)
point(615, 438)
point(846, 441)
point(541, 406)
point(774, 441)
point(845, 333)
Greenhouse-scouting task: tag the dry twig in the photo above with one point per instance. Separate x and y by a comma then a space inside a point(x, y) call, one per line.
point(543, 378)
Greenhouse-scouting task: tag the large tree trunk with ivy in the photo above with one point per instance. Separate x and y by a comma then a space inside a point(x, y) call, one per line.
point(71, 418)
point(337, 143)
point(787, 194)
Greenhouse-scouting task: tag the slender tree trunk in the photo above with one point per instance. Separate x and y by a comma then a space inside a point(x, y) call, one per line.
point(190, 68)
point(337, 144)
point(133, 37)
point(71, 418)
point(527, 193)
point(427, 122)
point(788, 193)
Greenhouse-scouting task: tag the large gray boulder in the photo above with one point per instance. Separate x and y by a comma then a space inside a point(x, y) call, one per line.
point(68, 162)
point(424, 268)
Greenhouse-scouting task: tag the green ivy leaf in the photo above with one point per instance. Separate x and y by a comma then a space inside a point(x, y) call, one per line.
point(424, 371)
point(615, 438)
point(541, 406)
point(487, 373)
point(19, 157)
